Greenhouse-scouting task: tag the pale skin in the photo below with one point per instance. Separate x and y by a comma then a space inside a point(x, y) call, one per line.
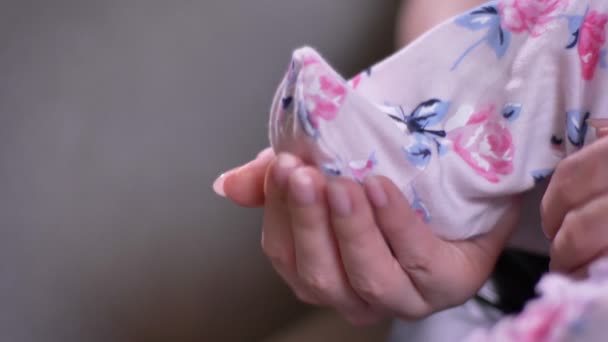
point(329, 240)
point(361, 250)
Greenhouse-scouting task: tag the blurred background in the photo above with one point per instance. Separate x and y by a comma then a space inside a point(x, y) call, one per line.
point(115, 118)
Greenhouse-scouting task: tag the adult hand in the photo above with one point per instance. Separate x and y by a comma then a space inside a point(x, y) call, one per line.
point(244, 185)
point(575, 209)
point(365, 258)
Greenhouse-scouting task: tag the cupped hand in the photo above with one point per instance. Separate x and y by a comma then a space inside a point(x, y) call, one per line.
point(360, 249)
point(575, 209)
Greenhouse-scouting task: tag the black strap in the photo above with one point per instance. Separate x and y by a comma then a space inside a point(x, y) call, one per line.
point(515, 278)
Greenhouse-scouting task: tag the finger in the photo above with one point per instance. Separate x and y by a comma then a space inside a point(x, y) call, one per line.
point(431, 262)
point(578, 179)
point(582, 238)
point(371, 268)
point(245, 185)
point(583, 271)
point(277, 240)
point(317, 259)
point(601, 127)
point(412, 241)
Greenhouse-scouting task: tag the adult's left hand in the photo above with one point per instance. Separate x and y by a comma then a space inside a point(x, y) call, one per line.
point(575, 209)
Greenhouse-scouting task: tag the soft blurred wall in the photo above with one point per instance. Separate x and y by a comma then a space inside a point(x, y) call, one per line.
point(115, 117)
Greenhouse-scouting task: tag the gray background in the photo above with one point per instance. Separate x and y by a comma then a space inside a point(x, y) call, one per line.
point(115, 117)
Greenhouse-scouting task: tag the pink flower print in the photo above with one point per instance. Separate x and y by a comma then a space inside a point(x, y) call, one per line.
point(324, 91)
point(592, 36)
point(530, 16)
point(485, 144)
point(542, 320)
point(419, 208)
point(310, 60)
point(355, 81)
point(567, 310)
point(539, 320)
point(361, 168)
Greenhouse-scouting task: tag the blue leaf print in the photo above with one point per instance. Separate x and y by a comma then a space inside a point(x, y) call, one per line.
point(499, 40)
point(419, 208)
point(574, 26)
point(575, 22)
point(541, 175)
point(419, 153)
point(442, 149)
point(331, 170)
point(303, 116)
point(486, 17)
point(511, 112)
point(286, 102)
point(478, 19)
point(579, 326)
point(292, 74)
point(429, 113)
point(577, 127)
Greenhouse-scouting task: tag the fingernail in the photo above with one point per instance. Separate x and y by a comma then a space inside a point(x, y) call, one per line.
point(303, 191)
point(285, 163)
point(375, 192)
point(338, 198)
point(218, 185)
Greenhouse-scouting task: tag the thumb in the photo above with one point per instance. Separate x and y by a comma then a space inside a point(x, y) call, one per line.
point(601, 127)
point(447, 272)
point(244, 185)
point(409, 238)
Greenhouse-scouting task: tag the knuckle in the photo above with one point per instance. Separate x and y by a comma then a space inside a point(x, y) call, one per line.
point(562, 190)
point(373, 291)
point(566, 167)
point(277, 255)
point(566, 178)
point(305, 297)
point(418, 263)
point(319, 283)
point(573, 228)
point(544, 208)
point(357, 234)
point(574, 222)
